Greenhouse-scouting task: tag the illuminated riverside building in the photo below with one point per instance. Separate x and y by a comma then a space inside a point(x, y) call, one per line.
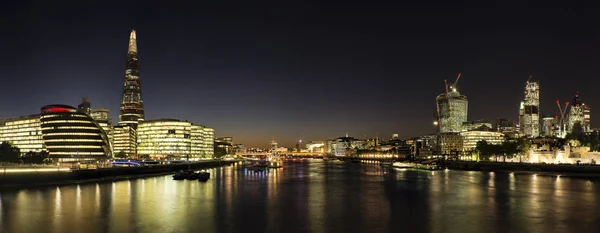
point(197, 142)
point(174, 139)
point(470, 138)
point(124, 140)
point(316, 146)
point(132, 105)
point(71, 135)
point(450, 143)
point(341, 146)
point(529, 111)
point(23, 132)
point(101, 116)
point(452, 108)
point(208, 142)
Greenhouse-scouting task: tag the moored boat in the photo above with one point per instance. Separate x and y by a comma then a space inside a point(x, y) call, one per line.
point(386, 164)
point(203, 176)
point(180, 175)
point(403, 165)
point(192, 176)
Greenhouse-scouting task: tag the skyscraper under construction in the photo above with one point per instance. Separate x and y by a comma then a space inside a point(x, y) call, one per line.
point(132, 105)
point(529, 111)
point(452, 108)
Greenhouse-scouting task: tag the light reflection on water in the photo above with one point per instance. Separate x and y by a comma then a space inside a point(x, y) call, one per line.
point(311, 196)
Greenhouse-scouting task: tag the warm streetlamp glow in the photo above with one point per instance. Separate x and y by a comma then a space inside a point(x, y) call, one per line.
point(435, 123)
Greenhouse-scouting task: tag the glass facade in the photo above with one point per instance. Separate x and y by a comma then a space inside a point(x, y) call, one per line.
point(174, 139)
point(452, 109)
point(529, 111)
point(71, 135)
point(101, 116)
point(450, 143)
point(132, 105)
point(579, 113)
point(209, 142)
point(470, 138)
point(124, 140)
point(23, 132)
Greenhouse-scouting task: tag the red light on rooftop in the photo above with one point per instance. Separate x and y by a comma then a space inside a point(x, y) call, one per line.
point(56, 109)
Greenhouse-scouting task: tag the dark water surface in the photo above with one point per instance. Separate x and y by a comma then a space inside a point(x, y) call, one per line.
point(312, 196)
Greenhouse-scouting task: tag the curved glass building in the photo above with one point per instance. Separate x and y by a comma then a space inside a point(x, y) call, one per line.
point(71, 135)
point(452, 109)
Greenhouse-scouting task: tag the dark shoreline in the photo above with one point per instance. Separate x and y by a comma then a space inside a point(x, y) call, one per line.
point(45, 179)
point(562, 170)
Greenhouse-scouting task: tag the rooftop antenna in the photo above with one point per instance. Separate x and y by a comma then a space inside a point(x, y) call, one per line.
point(529, 78)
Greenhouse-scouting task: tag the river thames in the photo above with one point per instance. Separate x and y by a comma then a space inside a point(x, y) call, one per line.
point(312, 196)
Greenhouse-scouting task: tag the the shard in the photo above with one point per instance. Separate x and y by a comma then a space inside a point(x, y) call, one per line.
point(132, 105)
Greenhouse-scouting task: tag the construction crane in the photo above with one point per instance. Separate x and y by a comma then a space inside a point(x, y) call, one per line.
point(563, 112)
point(456, 82)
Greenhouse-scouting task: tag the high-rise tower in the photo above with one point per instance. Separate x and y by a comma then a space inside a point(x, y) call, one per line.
point(579, 114)
point(132, 105)
point(529, 112)
point(452, 108)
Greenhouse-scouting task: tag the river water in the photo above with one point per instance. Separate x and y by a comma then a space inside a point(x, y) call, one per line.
point(312, 196)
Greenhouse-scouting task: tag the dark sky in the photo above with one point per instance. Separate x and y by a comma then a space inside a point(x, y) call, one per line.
point(290, 70)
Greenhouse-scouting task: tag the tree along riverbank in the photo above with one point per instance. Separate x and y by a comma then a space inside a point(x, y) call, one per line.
point(32, 179)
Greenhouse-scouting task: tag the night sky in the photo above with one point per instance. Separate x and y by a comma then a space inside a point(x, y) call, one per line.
point(290, 70)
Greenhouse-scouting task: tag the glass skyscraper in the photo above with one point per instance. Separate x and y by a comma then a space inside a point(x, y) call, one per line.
point(132, 105)
point(452, 109)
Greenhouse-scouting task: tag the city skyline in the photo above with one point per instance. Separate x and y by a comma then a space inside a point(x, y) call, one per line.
point(275, 84)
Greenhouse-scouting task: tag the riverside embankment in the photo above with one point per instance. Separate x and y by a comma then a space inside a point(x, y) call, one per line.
point(31, 177)
point(583, 170)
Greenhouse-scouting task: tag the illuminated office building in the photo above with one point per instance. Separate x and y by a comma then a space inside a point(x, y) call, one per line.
point(209, 142)
point(579, 114)
point(124, 141)
point(101, 116)
point(343, 145)
point(450, 143)
point(174, 139)
point(529, 111)
point(452, 109)
point(471, 138)
point(23, 132)
point(132, 105)
point(71, 135)
point(197, 142)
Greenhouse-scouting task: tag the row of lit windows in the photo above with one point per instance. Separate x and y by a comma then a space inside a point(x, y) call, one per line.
point(78, 153)
point(20, 122)
point(69, 127)
point(145, 128)
point(30, 141)
point(21, 129)
point(21, 134)
point(73, 140)
point(74, 134)
point(164, 123)
point(76, 146)
point(65, 121)
point(57, 115)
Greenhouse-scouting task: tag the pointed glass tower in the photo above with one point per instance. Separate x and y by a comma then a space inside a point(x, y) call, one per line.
point(132, 105)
